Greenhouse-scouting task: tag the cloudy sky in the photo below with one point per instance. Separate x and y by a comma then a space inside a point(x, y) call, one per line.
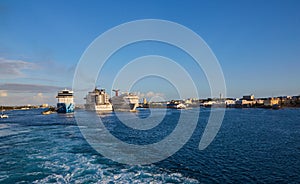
point(256, 42)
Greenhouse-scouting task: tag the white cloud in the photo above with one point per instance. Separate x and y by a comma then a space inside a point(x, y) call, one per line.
point(39, 95)
point(39, 98)
point(11, 69)
point(33, 99)
point(151, 96)
point(22, 94)
point(3, 93)
point(28, 88)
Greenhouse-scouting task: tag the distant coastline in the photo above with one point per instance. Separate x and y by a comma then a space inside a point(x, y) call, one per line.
point(247, 101)
point(23, 107)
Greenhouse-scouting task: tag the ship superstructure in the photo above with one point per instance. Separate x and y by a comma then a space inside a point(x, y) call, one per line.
point(98, 100)
point(65, 102)
point(125, 102)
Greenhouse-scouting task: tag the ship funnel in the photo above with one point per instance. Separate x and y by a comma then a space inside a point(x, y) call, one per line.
point(116, 92)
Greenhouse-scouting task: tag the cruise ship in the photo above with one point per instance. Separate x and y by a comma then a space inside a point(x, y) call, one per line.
point(65, 102)
point(97, 100)
point(125, 102)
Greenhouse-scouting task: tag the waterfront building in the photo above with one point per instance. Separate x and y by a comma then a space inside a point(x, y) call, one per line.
point(285, 100)
point(188, 101)
point(230, 102)
point(296, 98)
point(271, 102)
point(207, 103)
point(245, 103)
point(44, 105)
point(145, 101)
point(145, 104)
point(259, 102)
point(248, 97)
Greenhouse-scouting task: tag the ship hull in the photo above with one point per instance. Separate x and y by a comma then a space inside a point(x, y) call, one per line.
point(65, 108)
point(102, 107)
point(125, 107)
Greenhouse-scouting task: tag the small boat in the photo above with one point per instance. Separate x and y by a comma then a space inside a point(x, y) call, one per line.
point(49, 111)
point(3, 115)
point(276, 107)
point(175, 104)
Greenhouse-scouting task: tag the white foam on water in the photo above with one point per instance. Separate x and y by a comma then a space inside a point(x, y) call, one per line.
point(89, 170)
point(3, 175)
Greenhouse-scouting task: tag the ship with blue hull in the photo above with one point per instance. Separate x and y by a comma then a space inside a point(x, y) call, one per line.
point(65, 102)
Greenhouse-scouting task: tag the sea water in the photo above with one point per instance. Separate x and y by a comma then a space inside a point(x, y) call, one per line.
point(253, 145)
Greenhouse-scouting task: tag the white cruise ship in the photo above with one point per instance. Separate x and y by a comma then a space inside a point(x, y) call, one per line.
point(98, 100)
point(125, 102)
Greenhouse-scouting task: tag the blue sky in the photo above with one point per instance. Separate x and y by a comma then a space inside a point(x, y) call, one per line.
point(256, 42)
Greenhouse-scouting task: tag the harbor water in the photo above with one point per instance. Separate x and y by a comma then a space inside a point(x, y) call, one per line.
point(253, 146)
